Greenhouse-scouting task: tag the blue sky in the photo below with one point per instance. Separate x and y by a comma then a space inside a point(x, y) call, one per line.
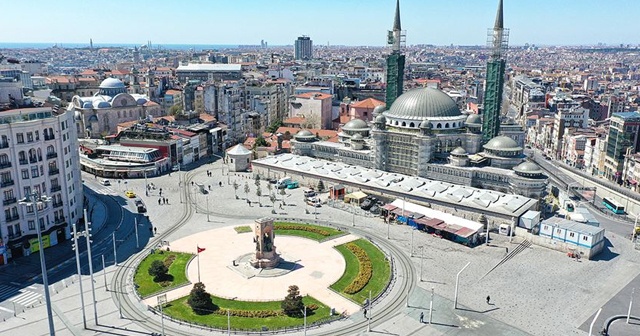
point(347, 22)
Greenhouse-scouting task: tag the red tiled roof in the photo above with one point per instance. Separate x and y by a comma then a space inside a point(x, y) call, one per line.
point(294, 120)
point(314, 95)
point(367, 103)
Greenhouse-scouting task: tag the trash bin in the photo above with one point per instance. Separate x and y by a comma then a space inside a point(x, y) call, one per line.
point(332, 312)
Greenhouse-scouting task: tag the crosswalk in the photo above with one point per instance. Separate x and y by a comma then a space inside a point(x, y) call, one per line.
point(104, 190)
point(24, 297)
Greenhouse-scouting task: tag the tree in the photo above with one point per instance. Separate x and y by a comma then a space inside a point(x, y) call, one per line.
point(247, 190)
point(259, 194)
point(158, 270)
point(320, 186)
point(257, 180)
point(274, 126)
point(272, 198)
point(292, 303)
point(235, 188)
point(175, 109)
point(200, 301)
point(261, 142)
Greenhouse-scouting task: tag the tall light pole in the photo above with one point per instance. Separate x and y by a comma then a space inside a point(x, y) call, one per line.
point(635, 225)
point(34, 200)
point(180, 182)
point(411, 254)
point(76, 248)
point(455, 296)
point(87, 235)
point(208, 208)
point(305, 320)
point(104, 273)
point(135, 222)
point(431, 306)
point(630, 305)
point(370, 314)
point(421, 260)
point(115, 250)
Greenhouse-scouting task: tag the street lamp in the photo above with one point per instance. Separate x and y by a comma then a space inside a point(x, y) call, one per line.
point(455, 295)
point(635, 225)
point(34, 200)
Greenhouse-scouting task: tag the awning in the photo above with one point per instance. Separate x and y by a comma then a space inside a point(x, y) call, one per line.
point(389, 207)
point(633, 182)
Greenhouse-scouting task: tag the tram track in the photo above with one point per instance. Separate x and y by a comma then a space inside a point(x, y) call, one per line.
point(404, 283)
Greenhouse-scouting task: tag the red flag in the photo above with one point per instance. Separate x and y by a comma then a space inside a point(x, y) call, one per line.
point(200, 249)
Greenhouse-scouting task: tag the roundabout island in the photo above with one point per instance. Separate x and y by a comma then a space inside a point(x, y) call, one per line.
point(249, 269)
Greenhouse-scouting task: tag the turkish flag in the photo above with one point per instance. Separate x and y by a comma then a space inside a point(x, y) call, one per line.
point(200, 249)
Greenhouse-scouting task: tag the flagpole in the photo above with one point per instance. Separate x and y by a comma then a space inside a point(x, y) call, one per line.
point(198, 249)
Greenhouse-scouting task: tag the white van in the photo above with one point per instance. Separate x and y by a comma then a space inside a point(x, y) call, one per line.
point(309, 193)
point(283, 182)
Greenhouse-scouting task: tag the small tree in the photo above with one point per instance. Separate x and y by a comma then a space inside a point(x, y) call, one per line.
point(257, 180)
point(200, 301)
point(235, 188)
point(320, 186)
point(259, 194)
point(269, 187)
point(272, 198)
point(247, 190)
point(292, 304)
point(158, 270)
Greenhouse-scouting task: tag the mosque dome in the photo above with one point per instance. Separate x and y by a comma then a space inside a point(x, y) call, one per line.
point(423, 103)
point(502, 143)
point(474, 119)
point(111, 83)
point(380, 119)
point(305, 136)
point(527, 168)
point(357, 137)
point(87, 105)
point(356, 125)
point(379, 109)
point(459, 151)
point(425, 124)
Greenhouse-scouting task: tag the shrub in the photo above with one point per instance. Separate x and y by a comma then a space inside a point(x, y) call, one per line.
point(365, 271)
point(158, 270)
point(292, 304)
point(312, 307)
point(250, 313)
point(169, 260)
point(165, 283)
point(200, 301)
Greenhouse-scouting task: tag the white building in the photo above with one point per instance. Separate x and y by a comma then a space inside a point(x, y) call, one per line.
point(38, 153)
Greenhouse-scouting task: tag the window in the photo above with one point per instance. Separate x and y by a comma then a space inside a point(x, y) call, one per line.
point(41, 221)
point(34, 172)
point(32, 225)
point(37, 135)
point(20, 138)
point(571, 234)
point(25, 174)
point(585, 238)
point(29, 136)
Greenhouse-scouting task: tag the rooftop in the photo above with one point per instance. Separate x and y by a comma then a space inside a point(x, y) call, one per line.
point(209, 67)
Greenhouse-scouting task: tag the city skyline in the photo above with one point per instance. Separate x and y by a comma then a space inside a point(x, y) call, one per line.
point(352, 22)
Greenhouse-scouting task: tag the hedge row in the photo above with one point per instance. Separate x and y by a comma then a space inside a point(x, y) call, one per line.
point(365, 270)
point(250, 313)
point(169, 260)
point(313, 229)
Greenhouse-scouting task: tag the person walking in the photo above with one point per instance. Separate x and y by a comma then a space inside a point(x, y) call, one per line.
point(488, 299)
point(421, 317)
point(159, 201)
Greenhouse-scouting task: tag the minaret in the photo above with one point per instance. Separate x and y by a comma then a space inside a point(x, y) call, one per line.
point(91, 44)
point(497, 40)
point(395, 60)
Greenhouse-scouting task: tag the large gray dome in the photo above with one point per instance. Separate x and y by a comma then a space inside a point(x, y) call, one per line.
point(502, 143)
point(474, 119)
point(423, 103)
point(355, 125)
point(111, 83)
point(528, 168)
point(379, 109)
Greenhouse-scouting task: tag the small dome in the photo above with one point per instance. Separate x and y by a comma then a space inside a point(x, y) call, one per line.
point(423, 103)
point(459, 151)
point(425, 124)
point(305, 136)
point(141, 101)
point(379, 109)
point(528, 167)
point(380, 119)
point(86, 105)
point(77, 115)
point(355, 125)
point(111, 83)
point(101, 104)
point(474, 119)
point(502, 143)
point(357, 137)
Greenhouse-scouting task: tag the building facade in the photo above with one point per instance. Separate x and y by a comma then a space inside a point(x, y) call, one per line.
point(303, 48)
point(623, 134)
point(38, 153)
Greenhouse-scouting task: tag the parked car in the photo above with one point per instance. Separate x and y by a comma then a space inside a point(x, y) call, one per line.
point(140, 206)
point(130, 194)
point(309, 193)
point(105, 182)
point(314, 202)
point(375, 209)
point(292, 185)
point(368, 203)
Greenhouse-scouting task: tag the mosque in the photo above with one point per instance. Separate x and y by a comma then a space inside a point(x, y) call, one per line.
point(99, 115)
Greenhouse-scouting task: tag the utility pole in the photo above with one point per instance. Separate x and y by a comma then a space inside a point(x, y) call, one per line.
point(87, 235)
point(104, 272)
point(75, 248)
point(115, 255)
point(136, 227)
point(431, 306)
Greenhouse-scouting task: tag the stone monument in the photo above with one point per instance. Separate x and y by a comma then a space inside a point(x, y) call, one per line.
point(264, 235)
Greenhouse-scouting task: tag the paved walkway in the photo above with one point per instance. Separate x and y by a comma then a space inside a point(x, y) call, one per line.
point(318, 266)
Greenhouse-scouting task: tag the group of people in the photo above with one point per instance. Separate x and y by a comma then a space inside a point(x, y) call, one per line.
point(163, 200)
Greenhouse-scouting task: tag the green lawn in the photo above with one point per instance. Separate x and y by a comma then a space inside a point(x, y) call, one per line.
point(243, 229)
point(177, 270)
point(380, 274)
point(180, 309)
point(309, 231)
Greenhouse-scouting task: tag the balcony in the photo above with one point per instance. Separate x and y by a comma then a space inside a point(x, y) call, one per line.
point(23, 162)
point(6, 183)
point(12, 218)
point(8, 201)
point(56, 188)
point(15, 236)
point(57, 204)
point(5, 164)
point(4, 145)
point(54, 171)
point(58, 221)
point(52, 155)
point(47, 138)
point(33, 159)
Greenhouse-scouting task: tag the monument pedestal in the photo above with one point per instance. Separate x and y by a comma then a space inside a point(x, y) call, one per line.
point(269, 259)
point(266, 256)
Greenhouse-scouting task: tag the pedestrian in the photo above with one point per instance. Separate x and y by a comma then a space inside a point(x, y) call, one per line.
point(191, 183)
point(159, 201)
point(421, 317)
point(220, 183)
point(365, 313)
point(166, 200)
point(209, 187)
point(488, 299)
point(155, 230)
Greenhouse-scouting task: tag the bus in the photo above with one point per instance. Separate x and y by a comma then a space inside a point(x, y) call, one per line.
point(612, 205)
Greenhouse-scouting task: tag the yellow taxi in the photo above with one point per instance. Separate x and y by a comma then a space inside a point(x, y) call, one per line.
point(130, 194)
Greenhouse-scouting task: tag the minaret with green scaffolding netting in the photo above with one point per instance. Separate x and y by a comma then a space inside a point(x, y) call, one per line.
point(498, 39)
point(395, 60)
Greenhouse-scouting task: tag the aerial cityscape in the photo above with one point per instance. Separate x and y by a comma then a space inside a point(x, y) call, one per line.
point(440, 168)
